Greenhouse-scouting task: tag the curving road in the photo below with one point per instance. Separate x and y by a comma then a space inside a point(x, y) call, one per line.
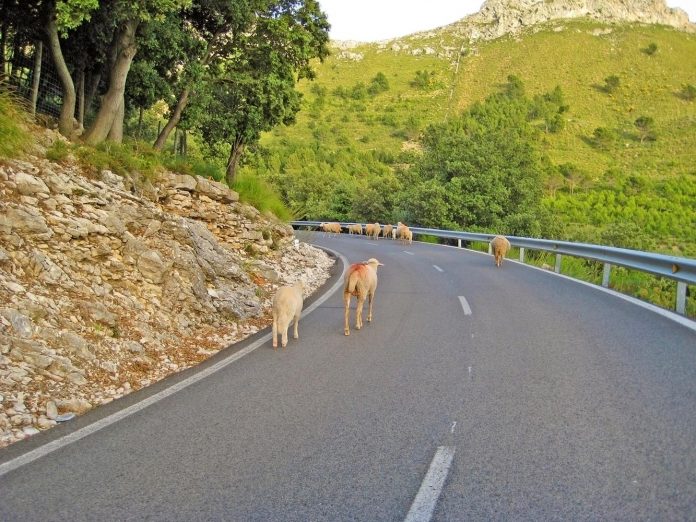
point(476, 394)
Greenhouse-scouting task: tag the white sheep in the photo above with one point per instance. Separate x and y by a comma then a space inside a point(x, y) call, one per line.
point(500, 246)
point(387, 230)
point(404, 233)
point(360, 281)
point(356, 228)
point(287, 305)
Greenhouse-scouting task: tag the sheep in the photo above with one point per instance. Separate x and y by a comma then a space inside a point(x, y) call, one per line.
point(376, 229)
point(387, 230)
point(393, 233)
point(360, 281)
point(287, 305)
point(369, 229)
point(331, 228)
point(355, 229)
point(404, 233)
point(500, 247)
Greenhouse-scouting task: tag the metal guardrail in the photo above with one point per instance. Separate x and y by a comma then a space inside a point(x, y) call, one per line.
point(680, 269)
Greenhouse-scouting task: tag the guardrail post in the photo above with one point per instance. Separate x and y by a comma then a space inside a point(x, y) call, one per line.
point(681, 297)
point(521, 254)
point(558, 264)
point(459, 243)
point(605, 275)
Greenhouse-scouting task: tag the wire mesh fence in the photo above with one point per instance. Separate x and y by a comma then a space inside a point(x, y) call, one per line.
point(29, 72)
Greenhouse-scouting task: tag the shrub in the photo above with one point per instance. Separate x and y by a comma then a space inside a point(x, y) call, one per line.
point(15, 138)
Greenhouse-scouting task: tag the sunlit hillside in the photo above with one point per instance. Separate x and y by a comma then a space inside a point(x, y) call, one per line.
point(650, 172)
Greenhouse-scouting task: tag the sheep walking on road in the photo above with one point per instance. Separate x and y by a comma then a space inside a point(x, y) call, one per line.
point(387, 231)
point(330, 228)
point(356, 228)
point(404, 233)
point(500, 246)
point(372, 230)
point(360, 281)
point(287, 305)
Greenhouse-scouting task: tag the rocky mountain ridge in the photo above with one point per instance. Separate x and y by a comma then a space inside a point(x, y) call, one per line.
point(498, 18)
point(108, 284)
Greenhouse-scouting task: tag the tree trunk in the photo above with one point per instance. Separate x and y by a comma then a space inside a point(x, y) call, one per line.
point(81, 97)
point(140, 122)
point(116, 130)
point(174, 120)
point(92, 91)
point(233, 161)
point(67, 111)
point(184, 98)
point(3, 43)
point(38, 54)
point(112, 103)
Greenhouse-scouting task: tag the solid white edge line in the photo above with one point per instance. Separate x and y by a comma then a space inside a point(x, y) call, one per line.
point(56, 444)
point(465, 305)
point(673, 316)
point(438, 268)
point(424, 504)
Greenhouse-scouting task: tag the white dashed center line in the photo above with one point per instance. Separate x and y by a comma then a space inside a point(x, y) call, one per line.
point(465, 305)
point(409, 253)
point(423, 505)
point(438, 268)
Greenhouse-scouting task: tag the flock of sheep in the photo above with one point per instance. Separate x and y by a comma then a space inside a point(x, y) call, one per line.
point(372, 230)
point(360, 280)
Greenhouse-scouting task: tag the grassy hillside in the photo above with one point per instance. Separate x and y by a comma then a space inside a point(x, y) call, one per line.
point(352, 134)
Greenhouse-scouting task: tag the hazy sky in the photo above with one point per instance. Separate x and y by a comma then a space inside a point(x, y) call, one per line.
point(370, 20)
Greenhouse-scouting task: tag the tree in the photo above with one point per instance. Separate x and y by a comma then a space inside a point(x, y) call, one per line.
point(488, 164)
point(645, 126)
point(294, 31)
point(129, 15)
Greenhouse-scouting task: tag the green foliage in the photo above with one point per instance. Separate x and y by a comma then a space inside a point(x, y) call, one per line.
point(651, 49)
point(261, 195)
point(646, 128)
point(58, 151)
point(423, 80)
point(688, 92)
point(378, 84)
point(481, 170)
point(611, 83)
point(15, 138)
point(604, 138)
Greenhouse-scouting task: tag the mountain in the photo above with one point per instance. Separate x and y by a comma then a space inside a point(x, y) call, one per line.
point(366, 111)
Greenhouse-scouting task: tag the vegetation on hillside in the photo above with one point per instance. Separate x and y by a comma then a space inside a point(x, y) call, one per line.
point(620, 146)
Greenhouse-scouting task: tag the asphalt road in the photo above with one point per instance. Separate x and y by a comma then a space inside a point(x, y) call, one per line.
point(557, 401)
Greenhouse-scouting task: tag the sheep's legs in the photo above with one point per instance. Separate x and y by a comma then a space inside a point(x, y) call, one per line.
point(275, 333)
point(346, 302)
point(295, 333)
point(358, 318)
point(369, 310)
point(284, 340)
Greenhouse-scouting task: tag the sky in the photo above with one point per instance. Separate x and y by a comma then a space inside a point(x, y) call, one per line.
point(372, 20)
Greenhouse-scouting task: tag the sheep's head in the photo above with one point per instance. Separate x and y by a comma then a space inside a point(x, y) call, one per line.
point(374, 263)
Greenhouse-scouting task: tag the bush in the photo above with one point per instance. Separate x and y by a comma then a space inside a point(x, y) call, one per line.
point(611, 83)
point(650, 49)
point(15, 138)
point(260, 194)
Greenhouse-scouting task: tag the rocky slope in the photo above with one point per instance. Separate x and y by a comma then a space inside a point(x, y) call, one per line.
point(108, 284)
point(498, 18)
